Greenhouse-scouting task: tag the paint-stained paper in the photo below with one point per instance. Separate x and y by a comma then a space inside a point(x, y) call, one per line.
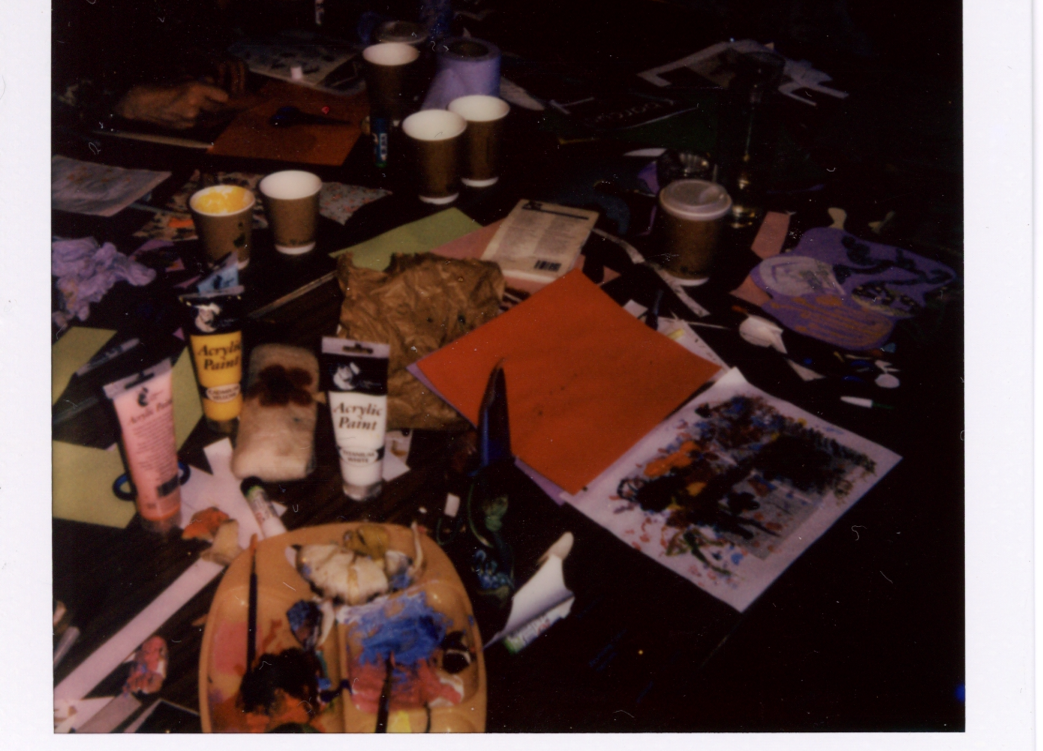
point(98, 189)
point(733, 487)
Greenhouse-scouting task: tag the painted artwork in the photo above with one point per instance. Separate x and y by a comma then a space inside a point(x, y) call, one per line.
point(325, 64)
point(847, 291)
point(733, 487)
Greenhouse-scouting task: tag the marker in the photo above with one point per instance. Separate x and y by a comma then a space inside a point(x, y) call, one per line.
point(867, 403)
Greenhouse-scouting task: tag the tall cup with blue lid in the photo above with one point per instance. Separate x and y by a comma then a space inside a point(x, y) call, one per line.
point(690, 221)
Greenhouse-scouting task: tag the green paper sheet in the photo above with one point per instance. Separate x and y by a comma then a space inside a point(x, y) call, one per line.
point(415, 237)
point(188, 407)
point(82, 476)
point(82, 480)
point(73, 351)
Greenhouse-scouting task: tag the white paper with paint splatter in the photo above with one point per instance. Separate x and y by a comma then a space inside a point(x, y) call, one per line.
point(733, 487)
point(90, 188)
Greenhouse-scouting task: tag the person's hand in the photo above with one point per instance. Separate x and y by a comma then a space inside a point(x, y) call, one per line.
point(178, 107)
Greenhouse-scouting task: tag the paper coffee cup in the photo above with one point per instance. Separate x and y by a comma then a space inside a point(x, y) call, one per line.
point(223, 215)
point(480, 166)
point(435, 138)
point(291, 201)
point(690, 218)
point(389, 67)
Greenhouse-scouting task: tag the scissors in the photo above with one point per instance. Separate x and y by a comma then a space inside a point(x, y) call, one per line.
point(492, 560)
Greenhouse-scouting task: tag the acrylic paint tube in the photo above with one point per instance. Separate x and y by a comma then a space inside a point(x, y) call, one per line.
point(355, 375)
point(215, 334)
point(145, 407)
point(261, 506)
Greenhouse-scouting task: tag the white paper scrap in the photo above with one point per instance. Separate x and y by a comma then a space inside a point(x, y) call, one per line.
point(70, 715)
point(220, 489)
point(109, 655)
point(545, 590)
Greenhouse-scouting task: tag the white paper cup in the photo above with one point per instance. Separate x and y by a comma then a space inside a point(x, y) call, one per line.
point(435, 139)
point(481, 152)
point(291, 201)
point(389, 66)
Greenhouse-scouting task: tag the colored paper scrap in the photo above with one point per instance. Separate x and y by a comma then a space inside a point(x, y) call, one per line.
point(250, 135)
point(772, 235)
point(585, 379)
point(733, 487)
point(82, 477)
point(78, 345)
point(188, 407)
point(338, 201)
point(81, 485)
point(416, 237)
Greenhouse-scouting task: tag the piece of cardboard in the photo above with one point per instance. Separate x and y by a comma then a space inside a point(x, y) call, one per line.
point(416, 237)
point(585, 379)
point(71, 352)
point(250, 135)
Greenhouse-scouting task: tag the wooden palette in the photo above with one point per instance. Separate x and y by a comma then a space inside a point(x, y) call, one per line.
point(222, 659)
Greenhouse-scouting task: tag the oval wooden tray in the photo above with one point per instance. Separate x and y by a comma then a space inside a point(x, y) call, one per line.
point(222, 659)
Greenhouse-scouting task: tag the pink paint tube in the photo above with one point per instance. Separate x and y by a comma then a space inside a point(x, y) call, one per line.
point(144, 404)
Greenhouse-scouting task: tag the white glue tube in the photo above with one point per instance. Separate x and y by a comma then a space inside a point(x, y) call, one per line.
point(261, 505)
point(145, 407)
point(355, 375)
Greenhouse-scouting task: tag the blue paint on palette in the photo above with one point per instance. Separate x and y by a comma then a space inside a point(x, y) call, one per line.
point(736, 558)
point(405, 628)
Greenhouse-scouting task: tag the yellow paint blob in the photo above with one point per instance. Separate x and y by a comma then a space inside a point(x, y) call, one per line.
point(222, 199)
point(398, 722)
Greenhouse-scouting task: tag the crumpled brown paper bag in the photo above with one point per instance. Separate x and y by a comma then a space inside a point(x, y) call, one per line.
point(418, 304)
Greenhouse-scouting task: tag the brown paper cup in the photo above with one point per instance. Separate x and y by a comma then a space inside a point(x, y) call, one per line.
point(435, 140)
point(291, 201)
point(389, 66)
point(480, 166)
point(223, 232)
point(691, 214)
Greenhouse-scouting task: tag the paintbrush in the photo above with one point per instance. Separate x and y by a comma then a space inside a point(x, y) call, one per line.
point(385, 699)
point(251, 613)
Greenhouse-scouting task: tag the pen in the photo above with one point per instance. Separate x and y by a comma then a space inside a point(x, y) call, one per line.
point(867, 403)
point(652, 314)
point(110, 354)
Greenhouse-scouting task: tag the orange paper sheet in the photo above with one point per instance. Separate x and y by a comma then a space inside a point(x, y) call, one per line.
point(250, 135)
point(585, 379)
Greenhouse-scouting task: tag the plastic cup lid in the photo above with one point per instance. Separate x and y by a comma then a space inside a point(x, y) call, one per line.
point(698, 200)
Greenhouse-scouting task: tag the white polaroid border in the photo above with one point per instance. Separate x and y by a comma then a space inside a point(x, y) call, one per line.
point(999, 167)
